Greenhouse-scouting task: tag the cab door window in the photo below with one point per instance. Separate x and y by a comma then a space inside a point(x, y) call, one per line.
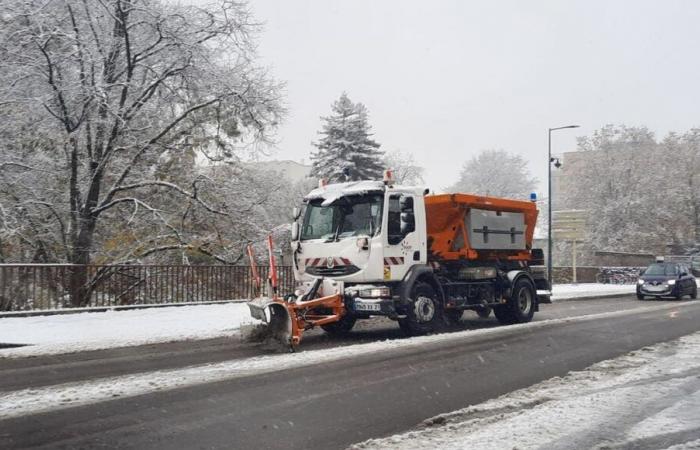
point(401, 218)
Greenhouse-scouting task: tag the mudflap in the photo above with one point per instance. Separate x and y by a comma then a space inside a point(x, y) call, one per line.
point(275, 315)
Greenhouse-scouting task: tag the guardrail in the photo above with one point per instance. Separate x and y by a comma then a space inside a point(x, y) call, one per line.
point(26, 287)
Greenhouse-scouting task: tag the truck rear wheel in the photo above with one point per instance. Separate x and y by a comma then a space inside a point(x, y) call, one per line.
point(425, 314)
point(520, 307)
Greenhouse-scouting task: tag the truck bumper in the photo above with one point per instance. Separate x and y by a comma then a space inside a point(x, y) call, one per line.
point(372, 306)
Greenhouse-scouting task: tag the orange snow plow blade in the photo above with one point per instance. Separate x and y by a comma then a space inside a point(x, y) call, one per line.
point(287, 320)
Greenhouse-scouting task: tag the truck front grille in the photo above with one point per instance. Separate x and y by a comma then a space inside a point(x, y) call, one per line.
point(337, 271)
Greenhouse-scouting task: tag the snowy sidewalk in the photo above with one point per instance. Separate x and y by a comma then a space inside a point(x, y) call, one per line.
point(649, 398)
point(589, 290)
point(53, 334)
point(99, 330)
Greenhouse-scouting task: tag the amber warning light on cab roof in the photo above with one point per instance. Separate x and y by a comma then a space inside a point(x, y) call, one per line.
point(389, 177)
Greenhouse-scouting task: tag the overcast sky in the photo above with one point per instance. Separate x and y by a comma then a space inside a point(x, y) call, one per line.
point(446, 79)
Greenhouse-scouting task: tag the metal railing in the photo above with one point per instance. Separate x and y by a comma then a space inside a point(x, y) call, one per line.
point(49, 286)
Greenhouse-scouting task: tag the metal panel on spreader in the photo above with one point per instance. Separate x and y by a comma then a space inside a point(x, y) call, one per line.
point(495, 230)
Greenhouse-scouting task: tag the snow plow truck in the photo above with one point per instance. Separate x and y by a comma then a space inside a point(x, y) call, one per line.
point(373, 248)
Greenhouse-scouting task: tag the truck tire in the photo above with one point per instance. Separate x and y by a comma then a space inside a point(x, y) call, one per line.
point(694, 294)
point(341, 327)
point(425, 314)
point(520, 307)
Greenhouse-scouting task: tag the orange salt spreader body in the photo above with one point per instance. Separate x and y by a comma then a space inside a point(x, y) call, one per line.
point(449, 227)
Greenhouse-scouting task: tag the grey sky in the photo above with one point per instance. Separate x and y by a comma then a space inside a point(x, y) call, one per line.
point(446, 79)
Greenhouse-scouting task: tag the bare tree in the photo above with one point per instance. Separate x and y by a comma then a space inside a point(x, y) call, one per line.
point(95, 93)
point(645, 193)
point(496, 173)
point(406, 170)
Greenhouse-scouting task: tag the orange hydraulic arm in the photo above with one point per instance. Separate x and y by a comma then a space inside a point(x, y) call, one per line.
point(287, 319)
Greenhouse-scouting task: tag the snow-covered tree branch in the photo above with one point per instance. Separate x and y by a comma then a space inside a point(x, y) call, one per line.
point(97, 97)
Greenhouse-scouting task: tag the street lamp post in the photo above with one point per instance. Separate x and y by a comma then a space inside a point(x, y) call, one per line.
point(549, 201)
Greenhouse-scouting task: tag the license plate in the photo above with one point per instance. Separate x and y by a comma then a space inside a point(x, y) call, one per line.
point(655, 288)
point(359, 306)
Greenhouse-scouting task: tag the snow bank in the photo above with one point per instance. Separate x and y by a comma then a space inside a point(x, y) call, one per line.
point(569, 291)
point(583, 290)
point(98, 330)
point(649, 398)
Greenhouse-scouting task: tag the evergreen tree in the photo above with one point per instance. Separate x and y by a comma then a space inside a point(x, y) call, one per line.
point(346, 150)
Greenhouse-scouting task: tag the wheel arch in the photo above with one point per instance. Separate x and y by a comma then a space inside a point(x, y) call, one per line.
point(514, 276)
point(418, 273)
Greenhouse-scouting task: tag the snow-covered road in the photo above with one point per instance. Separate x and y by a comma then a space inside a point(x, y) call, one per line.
point(649, 398)
point(35, 400)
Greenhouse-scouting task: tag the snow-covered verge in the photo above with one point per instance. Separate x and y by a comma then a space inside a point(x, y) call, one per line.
point(586, 290)
point(649, 398)
point(581, 290)
point(99, 330)
point(51, 398)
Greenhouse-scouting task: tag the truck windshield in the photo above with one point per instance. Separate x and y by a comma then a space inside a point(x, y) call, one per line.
point(358, 215)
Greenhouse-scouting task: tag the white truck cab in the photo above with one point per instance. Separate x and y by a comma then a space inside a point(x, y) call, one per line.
point(364, 234)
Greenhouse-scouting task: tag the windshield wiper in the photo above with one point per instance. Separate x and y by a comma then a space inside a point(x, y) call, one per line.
point(341, 221)
point(337, 230)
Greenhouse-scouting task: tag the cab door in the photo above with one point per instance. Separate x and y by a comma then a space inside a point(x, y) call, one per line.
point(403, 246)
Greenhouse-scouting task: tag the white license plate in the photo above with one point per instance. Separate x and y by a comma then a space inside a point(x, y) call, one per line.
point(655, 288)
point(359, 306)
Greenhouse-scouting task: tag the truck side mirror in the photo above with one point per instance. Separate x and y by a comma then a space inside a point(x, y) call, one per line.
point(296, 213)
point(406, 204)
point(295, 231)
point(408, 223)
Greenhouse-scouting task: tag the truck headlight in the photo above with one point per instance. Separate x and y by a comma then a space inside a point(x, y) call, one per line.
point(671, 282)
point(375, 292)
point(640, 282)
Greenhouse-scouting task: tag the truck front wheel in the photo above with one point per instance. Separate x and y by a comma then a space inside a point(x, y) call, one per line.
point(425, 314)
point(520, 307)
point(341, 327)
